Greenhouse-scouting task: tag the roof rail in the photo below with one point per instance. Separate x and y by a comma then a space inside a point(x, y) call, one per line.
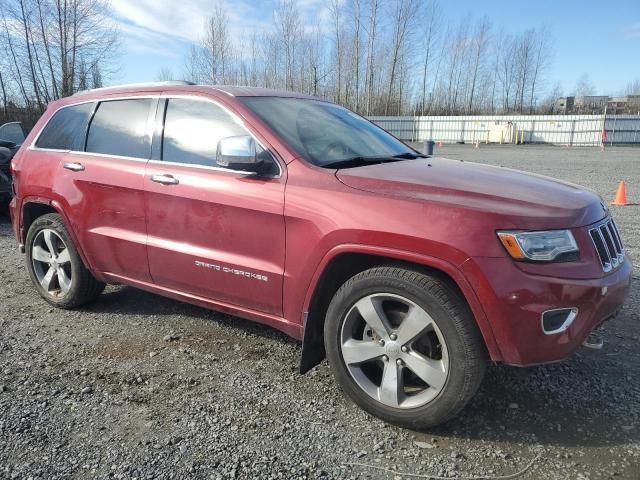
point(136, 85)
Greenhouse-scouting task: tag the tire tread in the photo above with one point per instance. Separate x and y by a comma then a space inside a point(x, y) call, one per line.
point(474, 352)
point(87, 288)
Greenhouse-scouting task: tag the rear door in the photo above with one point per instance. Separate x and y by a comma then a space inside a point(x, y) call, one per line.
point(102, 183)
point(213, 232)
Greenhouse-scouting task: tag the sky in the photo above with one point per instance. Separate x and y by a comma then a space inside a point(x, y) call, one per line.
point(598, 37)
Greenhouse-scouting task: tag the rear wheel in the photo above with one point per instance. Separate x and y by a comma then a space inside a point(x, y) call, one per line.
point(404, 346)
point(55, 266)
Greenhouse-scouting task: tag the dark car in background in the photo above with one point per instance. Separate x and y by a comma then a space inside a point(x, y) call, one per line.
point(11, 137)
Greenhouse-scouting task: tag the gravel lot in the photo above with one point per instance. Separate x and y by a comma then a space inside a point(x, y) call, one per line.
point(138, 386)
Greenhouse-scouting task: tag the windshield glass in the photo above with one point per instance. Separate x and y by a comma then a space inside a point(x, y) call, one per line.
point(12, 132)
point(324, 133)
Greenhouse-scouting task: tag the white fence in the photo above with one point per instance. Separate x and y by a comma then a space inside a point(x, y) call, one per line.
point(578, 130)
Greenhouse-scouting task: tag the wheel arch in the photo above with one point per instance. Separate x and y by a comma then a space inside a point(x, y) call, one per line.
point(35, 207)
point(346, 261)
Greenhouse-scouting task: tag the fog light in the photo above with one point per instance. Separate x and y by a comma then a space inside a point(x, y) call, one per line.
point(558, 320)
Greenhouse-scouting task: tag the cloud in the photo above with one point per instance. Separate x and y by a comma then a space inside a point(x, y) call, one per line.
point(142, 40)
point(632, 31)
point(182, 20)
point(152, 23)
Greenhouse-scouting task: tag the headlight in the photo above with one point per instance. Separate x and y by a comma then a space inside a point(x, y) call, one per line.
point(543, 246)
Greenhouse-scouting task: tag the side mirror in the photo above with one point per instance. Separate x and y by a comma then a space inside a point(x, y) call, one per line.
point(238, 153)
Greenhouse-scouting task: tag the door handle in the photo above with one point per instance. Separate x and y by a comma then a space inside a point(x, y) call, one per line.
point(164, 179)
point(73, 166)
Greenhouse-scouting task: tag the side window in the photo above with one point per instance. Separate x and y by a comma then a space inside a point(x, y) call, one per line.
point(12, 132)
point(192, 130)
point(66, 129)
point(119, 127)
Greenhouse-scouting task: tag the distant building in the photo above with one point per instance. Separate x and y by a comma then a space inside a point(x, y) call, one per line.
point(564, 105)
point(629, 104)
point(594, 104)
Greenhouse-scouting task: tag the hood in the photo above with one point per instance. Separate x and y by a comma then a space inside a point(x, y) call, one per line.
point(528, 201)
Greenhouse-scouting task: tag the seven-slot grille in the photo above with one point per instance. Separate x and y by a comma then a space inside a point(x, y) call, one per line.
point(608, 243)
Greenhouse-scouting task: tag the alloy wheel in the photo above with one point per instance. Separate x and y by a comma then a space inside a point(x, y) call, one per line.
point(394, 351)
point(51, 263)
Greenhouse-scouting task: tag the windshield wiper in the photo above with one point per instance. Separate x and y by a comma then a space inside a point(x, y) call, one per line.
point(360, 161)
point(410, 156)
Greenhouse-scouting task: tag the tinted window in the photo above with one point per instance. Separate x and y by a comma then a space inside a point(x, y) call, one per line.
point(192, 130)
point(67, 128)
point(12, 132)
point(323, 132)
point(119, 128)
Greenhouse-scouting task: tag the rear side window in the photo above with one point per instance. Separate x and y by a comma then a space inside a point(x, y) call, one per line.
point(192, 130)
point(119, 128)
point(66, 129)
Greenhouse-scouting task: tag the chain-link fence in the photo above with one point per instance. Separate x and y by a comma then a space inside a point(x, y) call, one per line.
point(578, 130)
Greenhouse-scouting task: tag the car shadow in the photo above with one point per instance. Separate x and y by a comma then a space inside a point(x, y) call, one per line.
point(573, 403)
point(128, 301)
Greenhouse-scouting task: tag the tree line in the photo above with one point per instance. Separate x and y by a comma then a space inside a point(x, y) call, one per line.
point(377, 57)
point(381, 57)
point(51, 49)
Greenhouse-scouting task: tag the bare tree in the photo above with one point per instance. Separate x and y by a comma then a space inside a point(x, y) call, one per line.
point(542, 57)
point(430, 37)
point(379, 57)
point(633, 88)
point(165, 74)
point(403, 17)
point(289, 33)
point(215, 46)
point(356, 15)
point(4, 94)
point(374, 7)
point(584, 86)
point(479, 46)
point(54, 44)
point(335, 8)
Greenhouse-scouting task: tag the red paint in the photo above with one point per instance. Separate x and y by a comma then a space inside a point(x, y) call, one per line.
point(434, 212)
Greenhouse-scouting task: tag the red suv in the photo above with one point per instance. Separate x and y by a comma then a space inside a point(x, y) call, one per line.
point(410, 273)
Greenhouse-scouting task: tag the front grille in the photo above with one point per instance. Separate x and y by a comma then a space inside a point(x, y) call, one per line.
point(608, 243)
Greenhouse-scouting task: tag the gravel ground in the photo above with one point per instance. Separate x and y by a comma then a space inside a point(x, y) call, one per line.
point(138, 386)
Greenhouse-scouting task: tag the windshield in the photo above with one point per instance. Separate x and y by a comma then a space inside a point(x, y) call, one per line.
point(324, 133)
point(12, 132)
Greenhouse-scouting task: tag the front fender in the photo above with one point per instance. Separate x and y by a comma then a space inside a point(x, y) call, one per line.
point(311, 332)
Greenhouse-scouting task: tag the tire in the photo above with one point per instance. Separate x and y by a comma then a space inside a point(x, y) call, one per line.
point(69, 283)
point(448, 353)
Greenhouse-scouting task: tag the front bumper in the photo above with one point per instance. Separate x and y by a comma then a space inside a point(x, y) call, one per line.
point(514, 300)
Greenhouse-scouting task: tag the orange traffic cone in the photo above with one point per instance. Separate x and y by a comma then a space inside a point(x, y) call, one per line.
point(621, 195)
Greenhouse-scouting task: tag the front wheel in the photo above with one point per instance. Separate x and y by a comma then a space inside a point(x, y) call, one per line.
point(404, 346)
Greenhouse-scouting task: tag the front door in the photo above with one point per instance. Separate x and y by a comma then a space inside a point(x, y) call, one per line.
point(212, 232)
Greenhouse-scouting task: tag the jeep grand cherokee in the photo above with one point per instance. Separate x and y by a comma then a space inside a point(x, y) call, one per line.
point(409, 273)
